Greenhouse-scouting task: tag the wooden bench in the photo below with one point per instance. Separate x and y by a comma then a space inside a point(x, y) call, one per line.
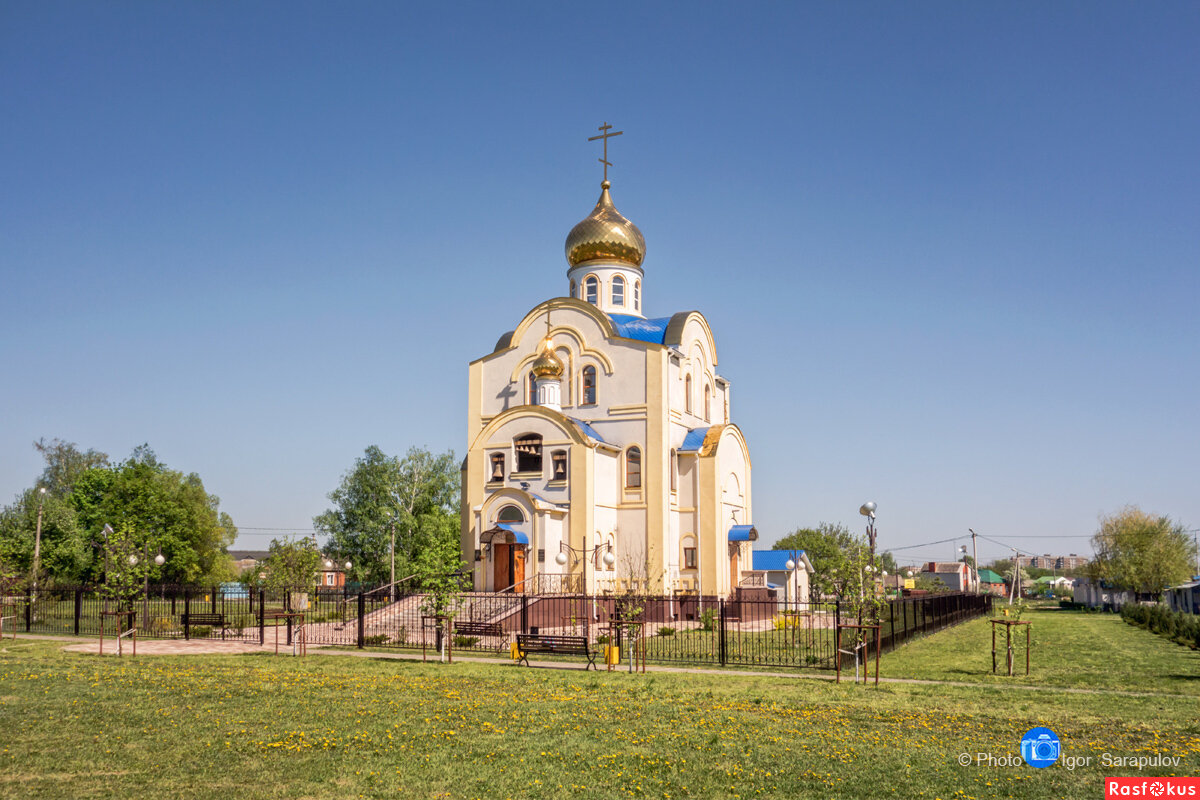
point(216, 621)
point(555, 645)
point(483, 629)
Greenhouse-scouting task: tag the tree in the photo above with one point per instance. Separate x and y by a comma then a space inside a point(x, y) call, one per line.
point(65, 463)
point(160, 508)
point(291, 566)
point(836, 554)
point(388, 508)
point(1141, 552)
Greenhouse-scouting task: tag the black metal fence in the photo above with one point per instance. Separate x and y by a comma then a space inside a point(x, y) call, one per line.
point(670, 629)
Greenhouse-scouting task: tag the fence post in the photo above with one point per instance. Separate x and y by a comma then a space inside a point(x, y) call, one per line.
point(288, 606)
point(362, 612)
point(28, 612)
point(524, 613)
point(721, 630)
point(262, 617)
point(187, 607)
point(214, 600)
point(892, 637)
point(78, 607)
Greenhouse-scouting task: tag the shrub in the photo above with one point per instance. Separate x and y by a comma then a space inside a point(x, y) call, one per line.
point(375, 640)
point(666, 631)
point(465, 641)
point(708, 620)
point(199, 631)
point(603, 638)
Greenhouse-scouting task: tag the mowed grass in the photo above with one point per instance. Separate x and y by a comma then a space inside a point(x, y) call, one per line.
point(78, 726)
point(1070, 649)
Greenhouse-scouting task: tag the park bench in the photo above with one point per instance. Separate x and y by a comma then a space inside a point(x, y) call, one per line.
point(555, 645)
point(482, 630)
point(215, 621)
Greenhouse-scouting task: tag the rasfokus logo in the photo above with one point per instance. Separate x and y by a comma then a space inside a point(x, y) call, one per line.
point(1151, 787)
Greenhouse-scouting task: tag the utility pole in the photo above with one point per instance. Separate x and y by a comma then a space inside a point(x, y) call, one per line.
point(37, 541)
point(975, 555)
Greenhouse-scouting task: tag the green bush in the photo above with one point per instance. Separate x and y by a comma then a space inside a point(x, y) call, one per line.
point(465, 641)
point(708, 620)
point(1174, 625)
point(666, 631)
point(199, 631)
point(376, 640)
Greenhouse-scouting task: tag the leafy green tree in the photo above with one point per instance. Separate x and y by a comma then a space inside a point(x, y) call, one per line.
point(123, 568)
point(1141, 552)
point(65, 463)
point(65, 554)
point(388, 505)
point(291, 566)
point(160, 508)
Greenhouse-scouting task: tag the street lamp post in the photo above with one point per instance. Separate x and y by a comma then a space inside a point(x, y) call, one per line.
point(867, 509)
point(581, 553)
point(159, 560)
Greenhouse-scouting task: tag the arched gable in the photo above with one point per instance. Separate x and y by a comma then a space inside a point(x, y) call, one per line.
point(678, 331)
point(559, 421)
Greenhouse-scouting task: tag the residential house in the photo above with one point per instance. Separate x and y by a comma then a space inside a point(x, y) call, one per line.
point(772, 565)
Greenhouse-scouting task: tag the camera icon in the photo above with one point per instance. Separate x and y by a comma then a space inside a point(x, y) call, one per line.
point(1040, 747)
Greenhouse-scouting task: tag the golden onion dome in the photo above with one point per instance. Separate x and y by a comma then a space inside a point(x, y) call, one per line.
point(547, 365)
point(605, 235)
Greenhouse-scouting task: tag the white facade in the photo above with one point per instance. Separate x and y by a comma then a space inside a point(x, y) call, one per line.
point(631, 452)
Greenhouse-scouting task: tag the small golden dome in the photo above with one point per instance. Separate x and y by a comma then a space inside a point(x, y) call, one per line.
point(547, 365)
point(606, 235)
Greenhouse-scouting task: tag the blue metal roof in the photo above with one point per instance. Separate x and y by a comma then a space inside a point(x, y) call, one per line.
point(645, 330)
point(518, 537)
point(588, 429)
point(693, 440)
point(743, 533)
point(774, 560)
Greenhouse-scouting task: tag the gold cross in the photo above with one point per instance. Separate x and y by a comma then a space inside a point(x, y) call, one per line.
point(605, 135)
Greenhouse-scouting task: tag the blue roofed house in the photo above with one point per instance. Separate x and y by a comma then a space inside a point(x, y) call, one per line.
point(792, 583)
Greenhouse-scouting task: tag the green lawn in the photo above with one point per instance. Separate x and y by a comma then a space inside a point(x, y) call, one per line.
point(1070, 649)
point(76, 726)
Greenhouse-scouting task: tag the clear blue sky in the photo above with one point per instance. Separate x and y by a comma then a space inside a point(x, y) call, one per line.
point(950, 251)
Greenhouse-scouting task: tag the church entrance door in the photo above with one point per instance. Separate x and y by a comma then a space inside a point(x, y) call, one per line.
point(508, 566)
point(735, 573)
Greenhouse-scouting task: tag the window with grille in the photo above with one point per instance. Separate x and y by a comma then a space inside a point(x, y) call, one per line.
point(558, 463)
point(497, 468)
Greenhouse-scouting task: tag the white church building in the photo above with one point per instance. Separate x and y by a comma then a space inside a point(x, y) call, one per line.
point(601, 455)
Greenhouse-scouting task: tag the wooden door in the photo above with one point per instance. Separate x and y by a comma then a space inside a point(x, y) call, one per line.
point(734, 573)
point(500, 567)
point(518, 564)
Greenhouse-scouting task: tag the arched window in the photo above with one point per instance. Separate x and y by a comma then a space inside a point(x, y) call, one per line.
point(510, 514)
point(689, 552)
point(687, 393)
point(497, 468)
point(591, 289)
point(529, 453)
point(589, 385)
point(637, 295)
point(531, 389)
point(618, 291)
point(707, 402)
point(633, 468)
point(558, 465)
point(674, 469)
point(572, 287)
